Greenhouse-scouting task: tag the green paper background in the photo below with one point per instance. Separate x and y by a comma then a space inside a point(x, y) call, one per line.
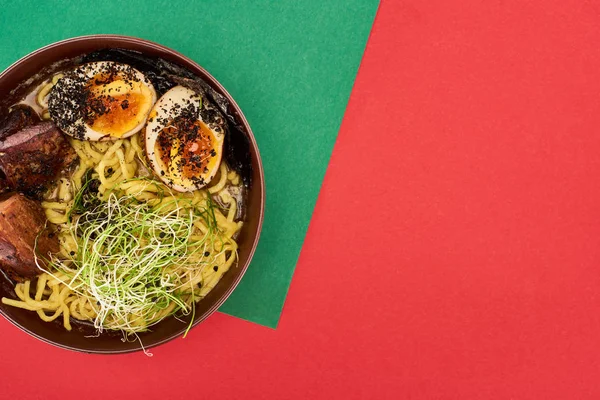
point(290, 65)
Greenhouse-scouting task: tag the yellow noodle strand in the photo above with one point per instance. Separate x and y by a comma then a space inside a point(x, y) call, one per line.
point(113, 164)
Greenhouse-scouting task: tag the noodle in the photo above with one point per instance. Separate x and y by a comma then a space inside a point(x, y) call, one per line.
point(59, 291)
point(41, 97)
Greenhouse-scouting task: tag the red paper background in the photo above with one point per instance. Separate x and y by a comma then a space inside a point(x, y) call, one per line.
point(454, 250)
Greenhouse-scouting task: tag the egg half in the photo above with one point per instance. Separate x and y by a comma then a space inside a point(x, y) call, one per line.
point(101, 101)
point(184, 139)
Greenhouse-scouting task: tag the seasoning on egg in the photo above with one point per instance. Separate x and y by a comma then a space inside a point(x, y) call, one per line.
point(184, 139)
point(101, 100)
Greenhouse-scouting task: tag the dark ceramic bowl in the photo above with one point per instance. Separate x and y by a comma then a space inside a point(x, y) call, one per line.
point(78, 339)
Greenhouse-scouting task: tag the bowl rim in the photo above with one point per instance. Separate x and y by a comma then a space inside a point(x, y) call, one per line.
point(213, 82)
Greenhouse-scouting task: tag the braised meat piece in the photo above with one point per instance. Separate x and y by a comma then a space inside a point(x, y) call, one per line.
point(22, 222)
point(32, 157)
point(20, 117)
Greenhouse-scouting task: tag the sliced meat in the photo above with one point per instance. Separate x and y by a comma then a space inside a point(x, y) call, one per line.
point(22, 222)
point(26, 135)
point(20, 117)
point(4, 186)
point(32, 157)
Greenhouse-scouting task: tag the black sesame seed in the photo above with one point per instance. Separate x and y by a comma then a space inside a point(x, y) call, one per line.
point(216, 268)
point(206, 253)
point(72, 253)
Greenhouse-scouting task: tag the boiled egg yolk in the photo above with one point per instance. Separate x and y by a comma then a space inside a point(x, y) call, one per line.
point(184, 140)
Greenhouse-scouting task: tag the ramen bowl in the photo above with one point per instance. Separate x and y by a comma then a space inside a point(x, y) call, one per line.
point(83, 337)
